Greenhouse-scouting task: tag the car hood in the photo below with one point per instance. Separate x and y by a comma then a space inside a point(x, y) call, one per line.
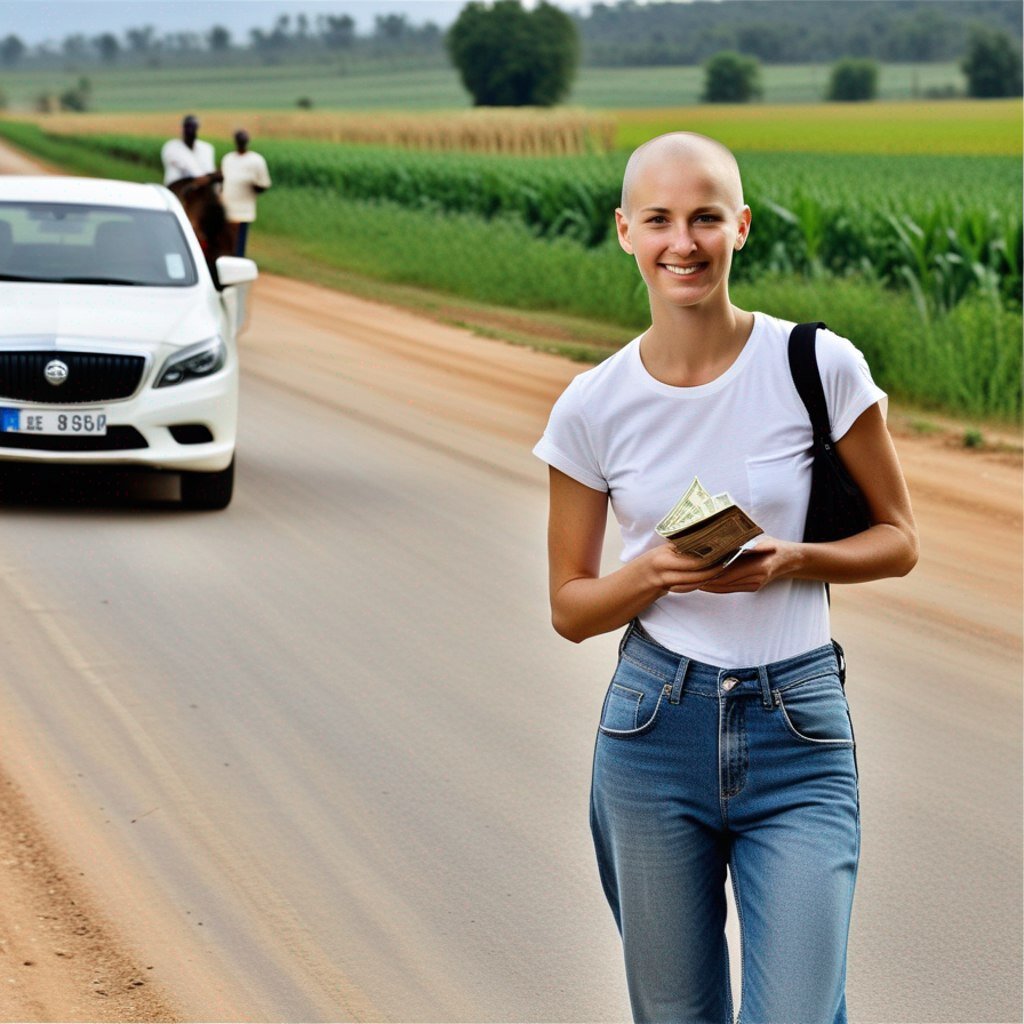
point(105, 313)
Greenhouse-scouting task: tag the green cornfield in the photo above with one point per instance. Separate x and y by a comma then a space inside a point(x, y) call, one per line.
point(939, 227)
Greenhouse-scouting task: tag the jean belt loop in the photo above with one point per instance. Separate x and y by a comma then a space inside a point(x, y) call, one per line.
point(677, 683)
point(625, 636)
point(766, 693)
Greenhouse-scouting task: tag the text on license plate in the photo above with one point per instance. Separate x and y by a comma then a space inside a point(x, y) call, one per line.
point(45, 421)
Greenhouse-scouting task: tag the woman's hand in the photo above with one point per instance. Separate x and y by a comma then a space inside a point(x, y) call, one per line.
point(672, 572)
point(769, 559)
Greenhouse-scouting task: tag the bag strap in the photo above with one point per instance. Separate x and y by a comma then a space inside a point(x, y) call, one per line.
point(803, 365)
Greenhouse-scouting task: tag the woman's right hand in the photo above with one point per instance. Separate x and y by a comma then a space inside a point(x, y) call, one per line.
point(672, 572)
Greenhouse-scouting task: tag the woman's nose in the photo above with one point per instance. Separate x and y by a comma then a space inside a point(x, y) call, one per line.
point(682, 241)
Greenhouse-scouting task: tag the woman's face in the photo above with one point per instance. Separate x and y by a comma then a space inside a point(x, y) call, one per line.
point(683, 224)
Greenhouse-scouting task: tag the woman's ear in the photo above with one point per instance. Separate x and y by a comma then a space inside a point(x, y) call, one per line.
point(622, 231)
point(743, 228)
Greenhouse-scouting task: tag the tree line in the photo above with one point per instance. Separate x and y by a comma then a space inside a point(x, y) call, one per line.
point(625, 33)
point(287, 39)
point(789, 31)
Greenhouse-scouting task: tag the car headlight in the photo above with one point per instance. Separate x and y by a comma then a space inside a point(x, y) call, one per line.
point(195, 361)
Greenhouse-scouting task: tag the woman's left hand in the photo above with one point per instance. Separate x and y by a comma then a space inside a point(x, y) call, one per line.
point(768, 560)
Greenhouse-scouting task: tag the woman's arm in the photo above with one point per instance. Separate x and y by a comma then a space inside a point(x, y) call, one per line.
point(888, 548)
point(583, 603)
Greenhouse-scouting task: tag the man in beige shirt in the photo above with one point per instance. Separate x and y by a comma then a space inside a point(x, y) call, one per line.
point(245, 177)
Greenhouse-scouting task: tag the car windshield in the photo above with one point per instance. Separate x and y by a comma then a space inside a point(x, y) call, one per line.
point(74, 243)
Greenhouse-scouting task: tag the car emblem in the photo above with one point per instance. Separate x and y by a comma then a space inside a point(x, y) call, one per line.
point(56, 372)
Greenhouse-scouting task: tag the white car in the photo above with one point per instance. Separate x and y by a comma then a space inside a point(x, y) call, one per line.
point(115, 344)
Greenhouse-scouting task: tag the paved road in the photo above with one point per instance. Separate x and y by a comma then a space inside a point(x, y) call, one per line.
point(323, 758)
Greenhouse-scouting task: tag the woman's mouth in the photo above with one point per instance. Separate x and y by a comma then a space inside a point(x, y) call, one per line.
point(683, 271)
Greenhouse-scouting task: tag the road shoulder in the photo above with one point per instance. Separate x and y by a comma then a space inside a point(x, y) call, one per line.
point(60, 957)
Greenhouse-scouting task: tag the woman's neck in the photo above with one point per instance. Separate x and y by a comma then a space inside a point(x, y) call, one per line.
point(695, 345)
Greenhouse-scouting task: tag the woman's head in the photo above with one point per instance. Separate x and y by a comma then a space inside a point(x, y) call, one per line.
point(682, 217)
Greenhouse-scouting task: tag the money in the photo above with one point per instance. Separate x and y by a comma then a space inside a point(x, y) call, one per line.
point(710, 528)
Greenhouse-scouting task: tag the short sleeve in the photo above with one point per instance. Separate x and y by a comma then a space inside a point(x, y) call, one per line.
point(566, 443)
point(205, 156)
point(847, 381)
point(168, 154)
point(262, 174)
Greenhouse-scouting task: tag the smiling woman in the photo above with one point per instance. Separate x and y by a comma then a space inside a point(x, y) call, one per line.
point(701, 764)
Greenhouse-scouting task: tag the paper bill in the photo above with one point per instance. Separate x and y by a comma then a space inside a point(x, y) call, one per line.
point(694, 505)
point(709, 528)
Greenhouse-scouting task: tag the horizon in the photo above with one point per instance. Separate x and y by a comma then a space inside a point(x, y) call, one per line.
point(33, 20)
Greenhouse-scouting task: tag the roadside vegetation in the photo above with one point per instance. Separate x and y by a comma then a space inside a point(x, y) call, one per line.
point(931, 225)
point(917, 258)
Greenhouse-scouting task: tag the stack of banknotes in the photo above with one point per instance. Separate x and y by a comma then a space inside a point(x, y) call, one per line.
point(710, 528)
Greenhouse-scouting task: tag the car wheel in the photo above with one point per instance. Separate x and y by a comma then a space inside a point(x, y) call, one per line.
point(208, 490)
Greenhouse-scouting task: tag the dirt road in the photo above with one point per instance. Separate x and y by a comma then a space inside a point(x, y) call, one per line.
point(320, 757)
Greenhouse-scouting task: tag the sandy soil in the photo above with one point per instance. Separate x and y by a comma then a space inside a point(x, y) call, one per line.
point(61, 957)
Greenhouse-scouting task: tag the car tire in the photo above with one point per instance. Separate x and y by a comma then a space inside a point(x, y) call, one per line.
point(208, 490)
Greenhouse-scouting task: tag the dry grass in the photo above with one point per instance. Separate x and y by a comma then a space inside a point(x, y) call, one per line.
point(517, 132)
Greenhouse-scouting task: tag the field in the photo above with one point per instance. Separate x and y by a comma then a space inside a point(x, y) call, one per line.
point(433, 87)
point(949, 127)
point(964, 127)
point(918, 257)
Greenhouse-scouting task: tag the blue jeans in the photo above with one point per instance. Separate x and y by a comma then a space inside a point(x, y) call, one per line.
point(698, 767)
point(241, 237)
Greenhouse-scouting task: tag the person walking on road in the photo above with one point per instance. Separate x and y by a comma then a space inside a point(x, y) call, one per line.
point(245, 177)
point(189, 160)
point(725, 740)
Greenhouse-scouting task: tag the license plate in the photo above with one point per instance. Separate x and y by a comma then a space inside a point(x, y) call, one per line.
point(45, 421)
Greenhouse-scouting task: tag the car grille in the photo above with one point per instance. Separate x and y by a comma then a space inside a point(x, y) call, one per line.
point(92, 377)
point(116, 439)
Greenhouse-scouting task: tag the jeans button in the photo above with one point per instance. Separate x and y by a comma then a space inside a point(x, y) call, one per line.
point(728, 684)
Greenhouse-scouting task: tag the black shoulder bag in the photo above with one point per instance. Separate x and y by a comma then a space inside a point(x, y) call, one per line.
point(837, 508)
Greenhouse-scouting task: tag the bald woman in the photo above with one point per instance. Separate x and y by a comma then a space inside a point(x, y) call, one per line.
point(725, 740)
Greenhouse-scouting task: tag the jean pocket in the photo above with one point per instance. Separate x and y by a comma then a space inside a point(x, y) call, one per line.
point(816, 711)
point(632, 702)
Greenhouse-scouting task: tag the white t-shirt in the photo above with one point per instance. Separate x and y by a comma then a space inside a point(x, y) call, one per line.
point(241, 172)
point(182, 162)
point(617, 429)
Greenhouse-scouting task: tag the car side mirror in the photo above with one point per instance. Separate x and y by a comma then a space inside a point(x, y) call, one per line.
point(235, 270)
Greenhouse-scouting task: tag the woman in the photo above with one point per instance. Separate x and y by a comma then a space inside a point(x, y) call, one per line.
point(725, 737)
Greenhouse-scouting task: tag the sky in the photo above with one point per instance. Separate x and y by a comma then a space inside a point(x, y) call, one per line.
point(35, 21)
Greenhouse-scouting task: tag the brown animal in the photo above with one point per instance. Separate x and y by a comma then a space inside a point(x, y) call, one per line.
point(206, 214)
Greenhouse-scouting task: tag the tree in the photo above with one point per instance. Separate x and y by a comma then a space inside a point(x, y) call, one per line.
point(390, 28)
point(219, 39)
point(853, 78)
point(510, 57)
point(77, 97)
point(338, 31)
point(729, 77)
point(12, 49)
point(140, 40)
point(107, 47)
point(75, 47)
point(992, 64)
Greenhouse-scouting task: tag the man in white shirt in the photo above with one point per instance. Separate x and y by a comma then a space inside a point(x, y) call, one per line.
point(245, 177)
point(188, 158)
